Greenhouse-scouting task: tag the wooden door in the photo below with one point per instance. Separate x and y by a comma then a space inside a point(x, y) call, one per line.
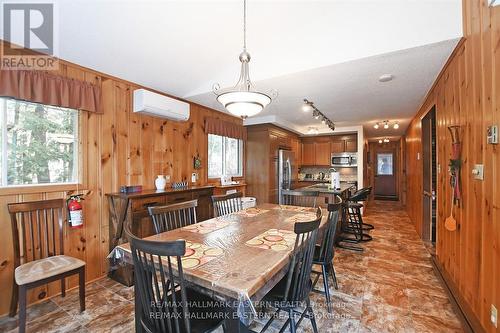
point(322, 153)
point(337, 146)
point(351, 145)
point(385, 175)
point(308, 153)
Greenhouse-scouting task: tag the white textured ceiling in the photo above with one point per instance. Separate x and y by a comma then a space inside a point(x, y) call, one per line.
point(301, 48)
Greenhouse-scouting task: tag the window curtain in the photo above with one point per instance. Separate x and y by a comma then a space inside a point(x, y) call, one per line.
point(45, 88)
point(224, 128)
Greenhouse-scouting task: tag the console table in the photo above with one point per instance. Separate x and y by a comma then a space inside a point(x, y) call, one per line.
point(132, 208)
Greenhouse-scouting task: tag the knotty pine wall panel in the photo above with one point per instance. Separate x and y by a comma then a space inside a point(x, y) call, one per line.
point(466, 93)
point(119, 148)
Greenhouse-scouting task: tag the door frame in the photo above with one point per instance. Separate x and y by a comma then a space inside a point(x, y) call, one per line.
point(435, 172)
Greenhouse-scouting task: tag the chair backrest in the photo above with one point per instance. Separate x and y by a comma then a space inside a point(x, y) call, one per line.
point(157, 267)
point(227, 203)
point(37, 229)
point(299, 198)
point(299, 275)
point(327, 246)
point(173, 216)
point(361, 195)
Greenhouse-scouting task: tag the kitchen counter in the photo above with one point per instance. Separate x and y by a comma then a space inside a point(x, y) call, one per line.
point(326, 189)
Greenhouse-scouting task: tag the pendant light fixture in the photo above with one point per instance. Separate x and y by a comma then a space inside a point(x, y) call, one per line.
point(243, 100)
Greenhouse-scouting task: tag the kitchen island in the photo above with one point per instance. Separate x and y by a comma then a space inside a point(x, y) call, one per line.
point(328, 193)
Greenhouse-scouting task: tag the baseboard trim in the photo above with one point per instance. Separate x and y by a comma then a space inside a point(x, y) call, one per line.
point(470, 322)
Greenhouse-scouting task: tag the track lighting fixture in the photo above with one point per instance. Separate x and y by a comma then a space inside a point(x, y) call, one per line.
point(317, 114)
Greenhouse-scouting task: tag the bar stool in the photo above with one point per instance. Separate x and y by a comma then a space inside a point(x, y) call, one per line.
point(352, 225)
point(362, 195)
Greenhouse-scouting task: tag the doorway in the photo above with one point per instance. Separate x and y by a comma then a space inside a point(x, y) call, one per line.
point(430, 175)
point(385, 180)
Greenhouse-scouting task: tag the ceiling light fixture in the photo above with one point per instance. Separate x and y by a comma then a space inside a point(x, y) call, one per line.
point(386, 124)
point(396, 126)
point(317, 114)
point(306, 107)
point(375, 126)
point(312, 130)
point(380, 141)
point(242, 100)
point(386, 140)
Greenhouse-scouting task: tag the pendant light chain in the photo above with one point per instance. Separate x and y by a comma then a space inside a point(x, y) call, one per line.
point(244, 25)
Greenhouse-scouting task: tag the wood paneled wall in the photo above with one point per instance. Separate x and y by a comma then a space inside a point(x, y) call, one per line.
point(120, 148)
point(467, 93)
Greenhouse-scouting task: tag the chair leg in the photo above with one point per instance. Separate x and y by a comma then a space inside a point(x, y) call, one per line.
point(324, 269)
point(269, 321)
point(22, 309)
point(334, 276)
point(81, 278)
point(311, 315)
point(63, 287)
point(291, 314)
point(14, 298)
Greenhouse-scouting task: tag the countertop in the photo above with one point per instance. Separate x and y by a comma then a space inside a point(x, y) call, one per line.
point(327, 190)
point(150, 193)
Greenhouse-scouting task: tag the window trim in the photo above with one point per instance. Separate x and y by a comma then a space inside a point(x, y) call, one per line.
point(81, 182)
point(241, 152)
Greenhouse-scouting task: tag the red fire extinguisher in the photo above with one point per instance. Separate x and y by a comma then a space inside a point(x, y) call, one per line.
point(75, 211)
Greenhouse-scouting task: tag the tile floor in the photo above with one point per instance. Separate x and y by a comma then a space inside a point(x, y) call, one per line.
point(390, 287)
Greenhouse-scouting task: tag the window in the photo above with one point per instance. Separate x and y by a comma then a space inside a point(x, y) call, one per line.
point(384, 164)
point(38, 143)
point(225, 156)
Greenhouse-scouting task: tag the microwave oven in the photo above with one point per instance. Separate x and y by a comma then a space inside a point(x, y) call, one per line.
point(344, 160)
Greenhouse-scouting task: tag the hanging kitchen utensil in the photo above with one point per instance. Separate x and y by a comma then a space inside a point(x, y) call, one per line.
point(455, 163)
point(450, 223)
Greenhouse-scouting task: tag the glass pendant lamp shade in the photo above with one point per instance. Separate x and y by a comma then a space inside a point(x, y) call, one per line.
point(244, 103)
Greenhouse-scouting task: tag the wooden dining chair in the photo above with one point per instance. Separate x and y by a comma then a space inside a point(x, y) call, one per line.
point(38, 239)
point(173, 216)
point(300, 198)
point(324, 252)
point(227, 203)
point(294, 289)
point(157, 309)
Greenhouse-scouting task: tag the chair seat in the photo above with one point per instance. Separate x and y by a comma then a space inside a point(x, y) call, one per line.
point(45, 268)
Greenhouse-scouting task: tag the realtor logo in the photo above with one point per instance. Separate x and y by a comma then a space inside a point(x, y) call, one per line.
point(29, 35)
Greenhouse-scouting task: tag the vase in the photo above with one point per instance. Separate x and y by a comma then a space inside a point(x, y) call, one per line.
point(160, 182)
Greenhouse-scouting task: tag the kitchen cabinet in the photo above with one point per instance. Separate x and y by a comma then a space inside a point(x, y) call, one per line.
point(337, 146)
point(351, 145)
point(308, 153)
point(322, 153)
point(263, 144)
point(317, 150)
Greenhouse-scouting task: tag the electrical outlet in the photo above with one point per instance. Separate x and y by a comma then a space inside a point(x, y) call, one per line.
point(494, 315)
point(167, 178)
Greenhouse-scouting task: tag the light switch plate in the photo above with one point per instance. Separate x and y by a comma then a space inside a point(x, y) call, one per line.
point(494, 315)
point(492, 135)
point(478, 172)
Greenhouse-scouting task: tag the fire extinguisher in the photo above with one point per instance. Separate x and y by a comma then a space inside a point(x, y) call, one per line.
point(75, 211)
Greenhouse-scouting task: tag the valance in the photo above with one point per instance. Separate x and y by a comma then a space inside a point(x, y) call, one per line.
point(224, 128)
point(45, 88)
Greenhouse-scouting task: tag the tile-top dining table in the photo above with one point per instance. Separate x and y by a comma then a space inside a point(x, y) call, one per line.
point(236, 258)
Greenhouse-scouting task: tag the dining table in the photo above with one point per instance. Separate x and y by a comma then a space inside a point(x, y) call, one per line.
point(236, 258)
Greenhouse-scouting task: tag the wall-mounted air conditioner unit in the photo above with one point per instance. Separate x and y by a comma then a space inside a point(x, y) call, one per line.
point(157, 105)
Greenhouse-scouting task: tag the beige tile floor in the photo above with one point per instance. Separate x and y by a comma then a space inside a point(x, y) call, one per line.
point(390, 287)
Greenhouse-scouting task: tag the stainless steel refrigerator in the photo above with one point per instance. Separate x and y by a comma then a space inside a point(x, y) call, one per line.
point(286, 171)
